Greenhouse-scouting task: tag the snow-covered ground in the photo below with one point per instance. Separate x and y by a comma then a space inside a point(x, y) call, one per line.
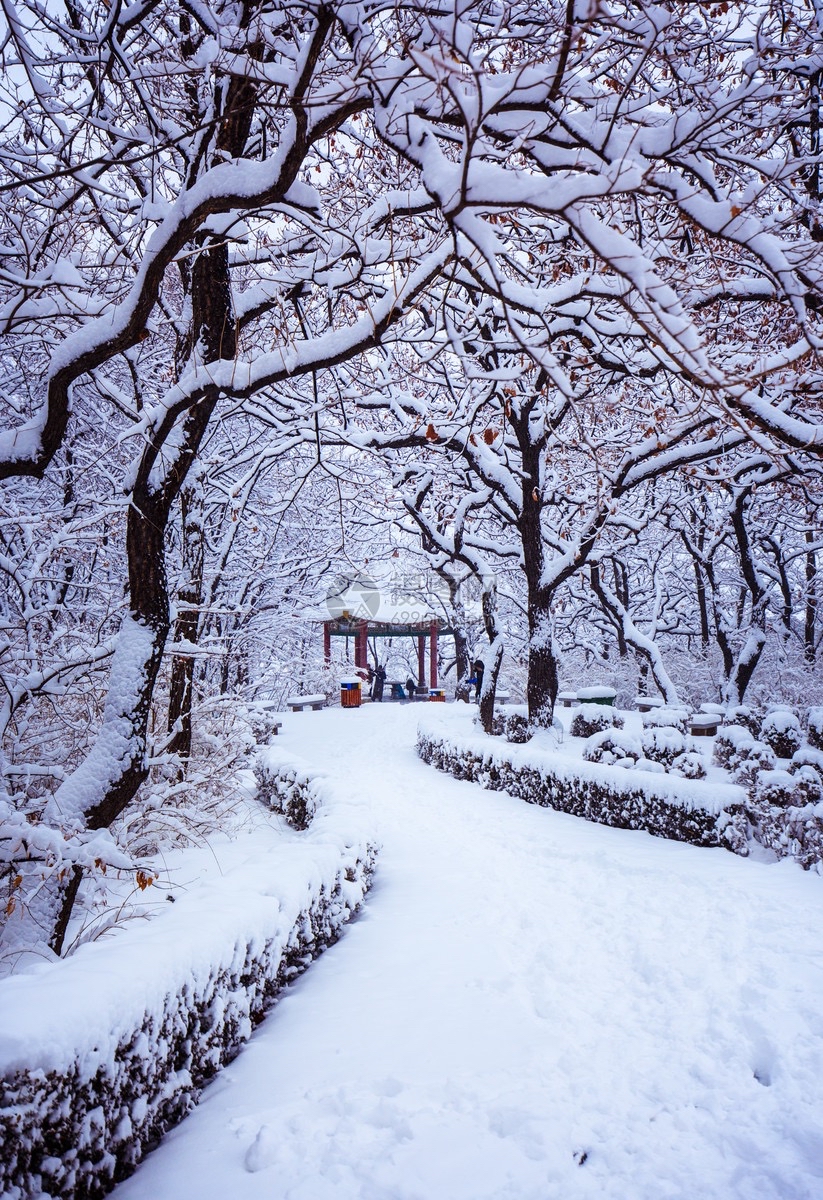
point(530, 1007)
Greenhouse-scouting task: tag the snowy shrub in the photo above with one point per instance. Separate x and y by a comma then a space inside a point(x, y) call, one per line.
point(741, 714)
point(651, 765)
point(72, 1131)
point(663, 744)
point(807, 756)
point(729, 737)
point(781, 731)
point(594, 718)
point(612, 746)
point(749, 760)
point(602, 794)
point(808, 787)
point(516, 728)
point(785, 822)
point(690, 765)
point(669, 718)
point(775, 788)
point(815, 727)
point(286, 788)
point(801, 835)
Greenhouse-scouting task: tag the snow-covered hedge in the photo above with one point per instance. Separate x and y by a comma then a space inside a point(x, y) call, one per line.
point(287, 786)
point(103, 1052)
point(783, 811)
point(781, 732)
point(594, 718)
point(686, 811)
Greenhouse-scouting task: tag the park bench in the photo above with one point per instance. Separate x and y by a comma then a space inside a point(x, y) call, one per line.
point(703, 724)
point(647, 703)
point(567, 699)
point(298, 703)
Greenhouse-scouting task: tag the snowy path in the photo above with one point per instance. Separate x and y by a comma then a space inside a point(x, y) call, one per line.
point(530, 1008)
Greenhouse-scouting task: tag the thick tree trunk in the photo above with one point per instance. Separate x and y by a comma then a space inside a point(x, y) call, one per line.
point(492, 656)
point(462, 647)
point(101, 788)
point(543, 683)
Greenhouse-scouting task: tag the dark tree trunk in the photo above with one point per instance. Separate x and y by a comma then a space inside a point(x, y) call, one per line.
point(186, 625)
point(702, 604)
point(212, 336)
point(810, 618)
point(542, 679)
point(621, 587)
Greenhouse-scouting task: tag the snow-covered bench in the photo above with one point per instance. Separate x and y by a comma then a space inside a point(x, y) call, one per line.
point(703, 724)
point(567, 699)
point(647, 703)
point(298, 703)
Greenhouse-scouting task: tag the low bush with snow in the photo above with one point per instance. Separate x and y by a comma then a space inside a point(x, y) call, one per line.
point(729, 738)
point(690, 765)
point(781, 731)
point(612, 746)
point(814, 725)
point(807, 756)
point(749, 759)
point(808, 787)
point(663, 744)
point(634, 799)
point(668, 718)
point(103, 1052)
point(594, 718)
point(776, 788)
point(783, 810)
point(516, 728)
point(742, 714)
point(287, 787)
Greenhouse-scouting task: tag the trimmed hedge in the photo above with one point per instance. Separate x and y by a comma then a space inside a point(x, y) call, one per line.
point(789, 824)
point(77, 1130)
point(606, 795)
point(288, 788)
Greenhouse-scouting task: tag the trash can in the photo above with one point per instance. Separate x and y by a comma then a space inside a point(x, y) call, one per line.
point(438, 695)
point(350, 694)
point(597, 695)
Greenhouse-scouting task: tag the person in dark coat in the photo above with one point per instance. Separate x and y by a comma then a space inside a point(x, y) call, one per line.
point(411, 687)
point(379, 680)
point(478, 668)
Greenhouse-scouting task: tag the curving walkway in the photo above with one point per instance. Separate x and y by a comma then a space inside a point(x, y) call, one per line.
point(529, 1008)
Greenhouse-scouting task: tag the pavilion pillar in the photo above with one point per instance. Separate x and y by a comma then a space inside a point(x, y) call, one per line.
point(327, 643)
point(361, 645)
point(421, 661)
point(433, 654)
